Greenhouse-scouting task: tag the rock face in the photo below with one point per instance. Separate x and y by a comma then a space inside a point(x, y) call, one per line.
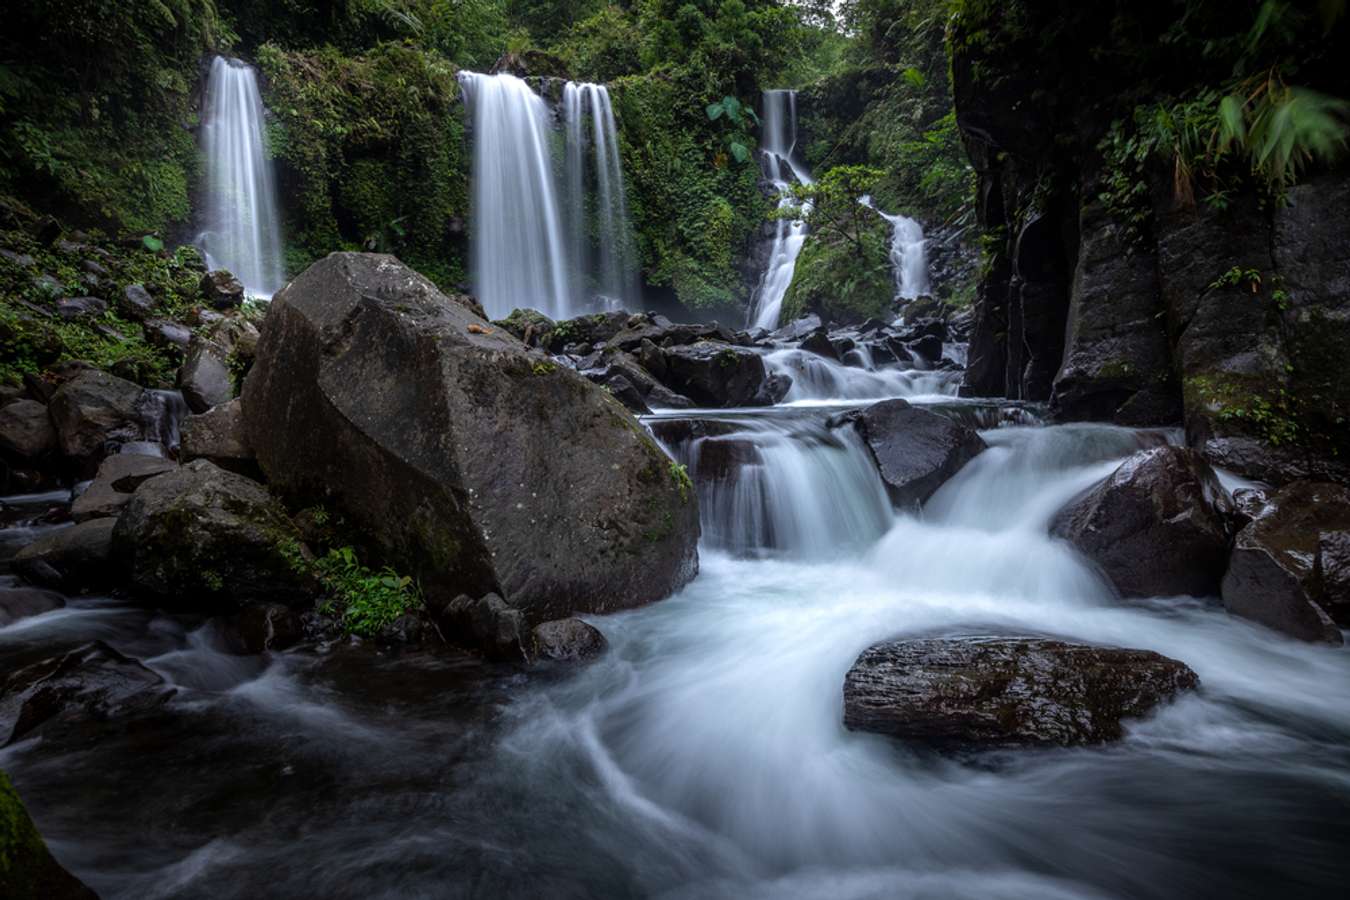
point(94, 410)
point(1158, 526)
point(1287, 569)
point(915, 450)
point(71, 559)
point(27, 869)
point(202, 538)
point(26, 430)
point(477, 465)
point(1000, 692)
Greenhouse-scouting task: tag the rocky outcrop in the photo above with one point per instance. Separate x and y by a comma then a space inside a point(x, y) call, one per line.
point(1157, 527)
point(475, 465)
point(977, 693)
point(205, 539)
point(71, 559)
point(27, 869)
point(717, 375)
point(916, 451)
point(1287, 568)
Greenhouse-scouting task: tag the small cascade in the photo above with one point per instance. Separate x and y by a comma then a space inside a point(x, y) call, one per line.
point(602, 248)
point(816, 379)
point(520, 255)
point(241, 225)
point(908, 252)
point(781, 484)
point(779, 142)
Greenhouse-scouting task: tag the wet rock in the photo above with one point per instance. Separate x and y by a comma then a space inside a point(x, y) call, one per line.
point(1331, 573)
point(722, 458)
point(26, 430)
point(29, 871)
point(218, 435)
point(820, 344)
point(95, 268)
point(775, 388)
point(567, 640)
point(71, 559)
point(166, 334)
point(531, 326)
point(136, 303)
point(92, 682)
point(927, 347)
point(477, 466)
point(20, 603)
point(977, 693)
point(716, 375)
point(487, 624)
point(117, 479)
point(221, 290)
point(1272, 576)
point(661, 332)
point(73, 308)
point(204, 539)
point(916, 451)
point(205, 378)
point(20, 260)
point(624, 391)
point(797, 330)
point(1157, 527)
point(93, 412)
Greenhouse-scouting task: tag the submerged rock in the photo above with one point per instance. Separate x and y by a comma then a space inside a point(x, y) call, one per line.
point(916, 451)
point(71, 559)
point(1287, 566)
point(475, 465)
point(976, 693)
point(566, 640)
point(1157, 527)
point(202, 538)
point(27, 869)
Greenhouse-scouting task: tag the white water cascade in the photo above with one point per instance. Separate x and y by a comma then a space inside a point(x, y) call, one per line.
point(602, 244)
point(520, 254)
point(908, 252)
point(241, 225)
point(779, 142)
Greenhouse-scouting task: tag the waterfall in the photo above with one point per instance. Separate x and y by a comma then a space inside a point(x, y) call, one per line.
point(779, 142)
point(520, 256)
point(908, 253)
point(613, 279)
point(242, 229)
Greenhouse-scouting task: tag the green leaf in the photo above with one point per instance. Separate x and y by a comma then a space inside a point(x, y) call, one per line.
point(732, 106)
point(152, 243)
point(714, 111)
point(1232, 124)
point(739, 151)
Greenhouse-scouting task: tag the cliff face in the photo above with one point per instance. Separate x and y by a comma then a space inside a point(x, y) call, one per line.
point(1120, 285)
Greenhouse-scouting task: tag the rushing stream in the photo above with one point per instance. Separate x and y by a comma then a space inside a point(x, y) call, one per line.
point(704, 755)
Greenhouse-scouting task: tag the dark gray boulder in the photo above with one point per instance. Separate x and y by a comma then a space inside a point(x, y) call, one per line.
point(221, 290)
point(566, 640)
point(73, 308)
point(135, 303)
point(916, 451)
point(1157, 527)
point(204, 539)
point(819, 343)
point(93, 412)
point(473, 464)
point(22, 602)
point(207, 376)
point(1331, 572)
point(218, 435)
point(26, 430)
point(716, 374)
point(1273, 574)
point(71, 559)
point(975, 693)
point(117, 478)
point(487, 624)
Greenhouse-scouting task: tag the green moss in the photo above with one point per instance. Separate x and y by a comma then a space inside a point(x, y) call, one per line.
point(841, 283)
point(683, 483)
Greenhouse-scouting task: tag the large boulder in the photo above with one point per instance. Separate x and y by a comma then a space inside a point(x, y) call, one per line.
point(71, 559)
point(973, 693)
point(207, 376)
point(218, 435)
point(26, 430)
point(27, 869)
point(1157, 527)
point(471, 462)
point(717, 375)
point(916, 451)
point(202, 538)
point(1287, 564)
point(93, 412)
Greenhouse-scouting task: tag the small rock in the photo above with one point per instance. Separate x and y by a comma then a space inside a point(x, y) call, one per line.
point(80, 308)
point(916, 451)
point(22, 260)
point(71, 559)
point(567, 640)
point(975, 693)
point(163, 333)
point(46, 287)
point(118, 477)
point(26, 430)
point(221, 290)
point(136, 303)
point(487, 624)
point(95, 268)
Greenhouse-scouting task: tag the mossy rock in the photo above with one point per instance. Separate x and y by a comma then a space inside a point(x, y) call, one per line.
point(27, 869)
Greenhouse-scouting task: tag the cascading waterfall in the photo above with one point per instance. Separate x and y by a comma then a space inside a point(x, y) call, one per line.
point(597, 206)
point(520, 254)
point(779, 141)
point(908, 252)
point(242, 228)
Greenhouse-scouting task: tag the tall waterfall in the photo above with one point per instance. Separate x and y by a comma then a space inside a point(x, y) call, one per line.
point(908, 253)
point(779, 141)
point(520, 254)
point(600, 229)
point(242, 228)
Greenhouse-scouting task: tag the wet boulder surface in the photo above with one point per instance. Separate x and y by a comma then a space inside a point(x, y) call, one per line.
point(1157, 527)
point(916, 451)
point(990, 692)
point(473, 463)
point(70, 559)
point(1288, 570)
point(27, 869)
